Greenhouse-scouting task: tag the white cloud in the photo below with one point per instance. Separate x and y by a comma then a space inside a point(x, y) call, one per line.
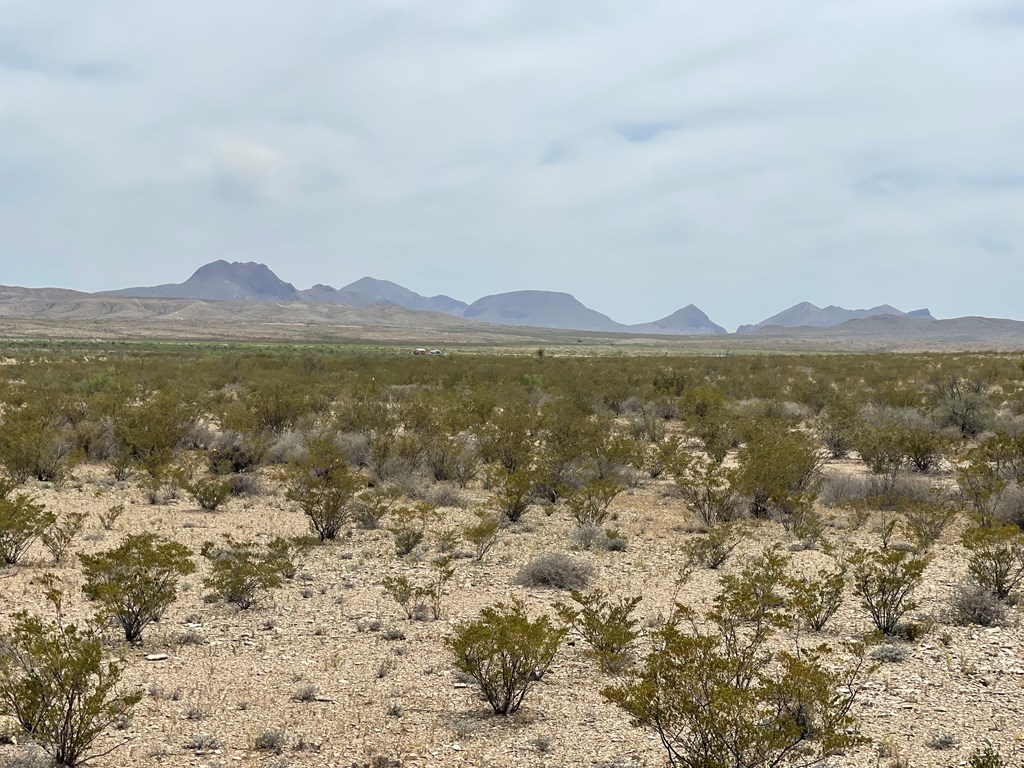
point(742, 155)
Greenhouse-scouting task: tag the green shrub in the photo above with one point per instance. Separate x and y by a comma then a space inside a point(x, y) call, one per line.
point(136, 582)
point(885, 580)
point(556, 570)
point(409, 526)
point(779, 471)
point(240, 571)
point(32, 443)
point(925, 521)
point(996, 559)
point(706, 487)
point(323, 487)
point(59, 536)
point(722, 698)
point(209, 492)
point(420, 601)
point(816, 600)
point(589, 505)
point(512, 491)
point(609, 628)
point(109, 518)
point(986, 758)
point(483, 534)
point(22, 521)
point(55, 684)
point(713, 548)
point(505, 652)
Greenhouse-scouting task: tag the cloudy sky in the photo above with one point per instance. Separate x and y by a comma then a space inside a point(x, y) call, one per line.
point(742, 155)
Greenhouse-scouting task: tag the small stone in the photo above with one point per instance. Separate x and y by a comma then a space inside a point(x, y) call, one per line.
point(157, 657)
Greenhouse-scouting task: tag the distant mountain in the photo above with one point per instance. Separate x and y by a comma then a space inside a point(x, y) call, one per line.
point(386, 292)
point(909, 332)
point(689, 321)
point(221, 281)
point(540, 309)
point(806, 314)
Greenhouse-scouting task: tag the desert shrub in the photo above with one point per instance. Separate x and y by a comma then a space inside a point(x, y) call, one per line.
point(923, 445)
point(996, 559)
point(148, 434)
point(976, 605)
point(323, 488)
point(588, 537)
point(233, 452)
point(838, 427)
point(885, 580)
point(961, 406)
point(209, 492)
point(723, 698)
point(136, 582)
point(779, 471)
point(273, 741)
point(589, 505)
point(483, 534)
point(240, 571)
point(986, 758)
point(203, 742)
point(980, 487)
point(108, 519)
point(444, 495)
point(409, 526)
point(290, 448)
point(706, 487)
point(556, 570)
point(881, 448)
point(58, 537)
point(420, 601)
point(288, 554)
point(306, 694)
point(925, 521)
point(1010, 505)
point(512, 491)
point(55, 684)
point(889, 653)
point(712, 549)
point(22, 521)
point(371, 507)
point(411, 598)
point(505, 652)
point(607, 626)
point(815, 601)
point(32, 442)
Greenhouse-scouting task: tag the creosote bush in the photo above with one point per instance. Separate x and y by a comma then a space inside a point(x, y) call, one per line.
point(721, 697)
point(55, 684)
point(505, 652)
point(996, 559)
point(240, 571)
point(136, 582)
point(607, 626)
point(22, 521)
point(885, 580)
point(324, 488)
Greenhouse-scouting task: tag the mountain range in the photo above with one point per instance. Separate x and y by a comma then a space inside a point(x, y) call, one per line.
point(248, 281)
point(220, 296)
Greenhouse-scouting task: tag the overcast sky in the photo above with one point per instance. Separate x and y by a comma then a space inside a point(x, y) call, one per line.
point(742, 155)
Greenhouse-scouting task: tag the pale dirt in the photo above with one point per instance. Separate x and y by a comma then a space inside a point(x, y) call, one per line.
point(974, 689)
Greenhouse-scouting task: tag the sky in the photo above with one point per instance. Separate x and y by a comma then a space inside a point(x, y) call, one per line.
point(740, 155)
